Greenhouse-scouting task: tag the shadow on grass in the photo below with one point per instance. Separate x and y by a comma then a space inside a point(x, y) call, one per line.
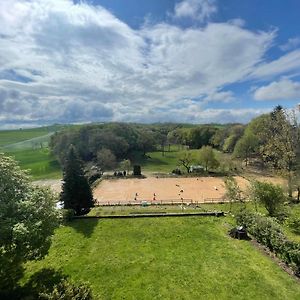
point(43, 281)
point(84, 226)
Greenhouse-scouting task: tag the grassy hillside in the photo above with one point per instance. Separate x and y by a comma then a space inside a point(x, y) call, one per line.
point(40, 163)
point(164, 258)
point(25, 146)
point(8, 137)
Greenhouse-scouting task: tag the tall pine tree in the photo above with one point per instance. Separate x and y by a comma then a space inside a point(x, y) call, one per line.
point(76, 193)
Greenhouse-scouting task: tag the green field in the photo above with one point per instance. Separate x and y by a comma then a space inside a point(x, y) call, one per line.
point(30, 148)
point(40, 163)
point(164, 258)
point(8, 137)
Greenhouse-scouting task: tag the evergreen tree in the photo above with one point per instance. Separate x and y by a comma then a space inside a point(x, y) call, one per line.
point(76, 193)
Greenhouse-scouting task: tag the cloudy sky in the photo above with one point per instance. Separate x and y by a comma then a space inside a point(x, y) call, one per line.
point(197, 61)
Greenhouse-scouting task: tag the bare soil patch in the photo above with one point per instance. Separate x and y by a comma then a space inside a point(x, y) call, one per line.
point(196, 189)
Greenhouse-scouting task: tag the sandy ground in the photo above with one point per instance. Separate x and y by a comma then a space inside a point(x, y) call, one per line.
point(162, 189)
point(201, 189)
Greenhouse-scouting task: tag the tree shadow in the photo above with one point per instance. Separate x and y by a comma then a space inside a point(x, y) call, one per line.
point(84, 226)
point(43, 281)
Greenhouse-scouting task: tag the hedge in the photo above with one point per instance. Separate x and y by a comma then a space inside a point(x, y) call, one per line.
point(267, 231)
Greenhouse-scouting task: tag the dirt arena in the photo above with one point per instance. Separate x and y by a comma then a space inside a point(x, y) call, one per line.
point(156, 190)
point(153, 189)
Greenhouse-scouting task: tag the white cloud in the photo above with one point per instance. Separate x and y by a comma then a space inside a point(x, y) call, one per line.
point(290, 44)
point(285, 89)
point(283, 65)
point(70, 62)
point(200, 10)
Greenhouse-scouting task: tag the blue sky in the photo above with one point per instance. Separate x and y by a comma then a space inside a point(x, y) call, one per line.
point(197, 61)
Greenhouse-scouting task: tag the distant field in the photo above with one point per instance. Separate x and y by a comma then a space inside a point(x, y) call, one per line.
point(8, 137)
point(40, 163)
point(164, 258)
point(25, 146)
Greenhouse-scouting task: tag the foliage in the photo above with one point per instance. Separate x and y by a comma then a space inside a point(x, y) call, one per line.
point(293, 223)
point(246, 146)
point(185, 159)
point(76, 193)
point(137, 170)
point(207, 158)
point(125, 165)
point(106, 160)
point(201, 136)
point(268, 232)
point(234, 134)
point(269, 195)
point(27, 221)
point(233, 192)
point(67, 290)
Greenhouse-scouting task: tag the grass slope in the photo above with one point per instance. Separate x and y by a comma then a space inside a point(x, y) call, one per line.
point(40, 163)
point(23, 145)
point(164, 258)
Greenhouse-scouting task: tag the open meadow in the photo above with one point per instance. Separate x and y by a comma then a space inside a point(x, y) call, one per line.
point(30, 148)
point(164, 258)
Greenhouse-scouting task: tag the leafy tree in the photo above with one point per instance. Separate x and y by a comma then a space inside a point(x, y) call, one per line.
point(185, 160)
point(146, 141)
point(280, 136)
point(234, 135)
point(269, 195)
point(106, 160)
point(125, 165)
point(207, 158)
point(201, 136)
point(76, 193)
point(233, 191)
point(246, 146)
point(27, 220)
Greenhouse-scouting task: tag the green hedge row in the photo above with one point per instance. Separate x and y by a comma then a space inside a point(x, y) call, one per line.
point(267, 231)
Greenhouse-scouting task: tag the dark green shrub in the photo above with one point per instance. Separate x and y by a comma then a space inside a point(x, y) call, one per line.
point(267, 231)
point(137, 170)
point(66, 215)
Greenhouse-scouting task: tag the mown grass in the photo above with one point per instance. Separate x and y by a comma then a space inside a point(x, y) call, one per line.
point(164, 258)
point(39, 162)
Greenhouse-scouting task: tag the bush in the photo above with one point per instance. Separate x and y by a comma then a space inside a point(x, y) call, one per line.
point(67, 290)
point(66, 215)
point(137, 170)
point(267, 231)
point(294, 224)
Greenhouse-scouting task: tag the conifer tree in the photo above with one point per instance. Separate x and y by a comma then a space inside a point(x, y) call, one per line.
point(76, 193)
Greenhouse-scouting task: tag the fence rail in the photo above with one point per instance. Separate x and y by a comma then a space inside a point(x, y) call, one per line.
point(160, 202)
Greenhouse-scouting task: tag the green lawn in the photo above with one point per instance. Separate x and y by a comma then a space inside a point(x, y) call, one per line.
point(164, 258)
point(157, 162)
point(40, 163)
